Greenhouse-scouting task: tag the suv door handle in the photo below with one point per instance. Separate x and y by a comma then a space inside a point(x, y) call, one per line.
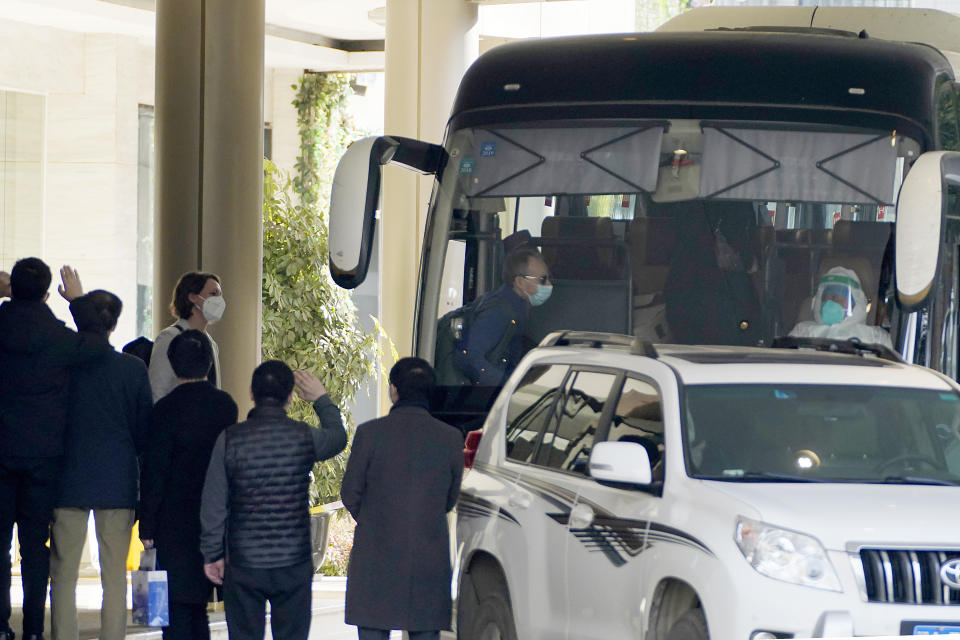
point(520, 499)
point(581, 516)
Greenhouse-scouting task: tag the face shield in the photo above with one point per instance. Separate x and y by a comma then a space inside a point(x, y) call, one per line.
point(837, 298)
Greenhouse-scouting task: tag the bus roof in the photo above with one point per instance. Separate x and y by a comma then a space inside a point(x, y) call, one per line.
point(714, 74)
point(938, 29)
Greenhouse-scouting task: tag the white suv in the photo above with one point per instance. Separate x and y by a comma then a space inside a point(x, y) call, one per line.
point(627, 490)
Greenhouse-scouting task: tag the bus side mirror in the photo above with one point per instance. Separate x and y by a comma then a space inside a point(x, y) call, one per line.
point(355, 198)
point(920, 209)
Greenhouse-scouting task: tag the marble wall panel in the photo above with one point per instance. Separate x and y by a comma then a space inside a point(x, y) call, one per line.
point(40, 59)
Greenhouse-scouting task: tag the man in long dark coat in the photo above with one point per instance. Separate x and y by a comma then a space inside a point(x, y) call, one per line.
point(184, 425)
point(402, 479)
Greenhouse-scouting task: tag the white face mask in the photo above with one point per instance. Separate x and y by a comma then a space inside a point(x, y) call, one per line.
point(213, 308)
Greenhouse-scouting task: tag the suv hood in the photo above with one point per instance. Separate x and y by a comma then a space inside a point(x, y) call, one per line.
point(839, 514)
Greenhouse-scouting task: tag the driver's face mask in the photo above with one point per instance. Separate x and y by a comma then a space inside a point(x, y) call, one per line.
point(836, 299)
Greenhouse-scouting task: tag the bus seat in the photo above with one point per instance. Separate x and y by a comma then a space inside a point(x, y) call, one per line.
point(582, 305)
point(795, 265)
point(862, 236)
point(575, 248)
point(651, 242)
point(763, 238)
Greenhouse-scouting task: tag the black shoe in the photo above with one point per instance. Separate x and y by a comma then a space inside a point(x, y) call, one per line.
point(7, 635)
point(34, 636)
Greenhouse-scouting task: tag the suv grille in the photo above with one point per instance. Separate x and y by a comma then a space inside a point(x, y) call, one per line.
point(899, 575)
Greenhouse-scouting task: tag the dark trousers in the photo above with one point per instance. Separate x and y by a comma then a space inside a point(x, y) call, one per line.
point(288, 589)
point(366, 633)
point(187, 622)
point(28, 488)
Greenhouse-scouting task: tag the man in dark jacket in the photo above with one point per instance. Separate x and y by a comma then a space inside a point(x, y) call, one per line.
point(110, 402)
point(493, 344)
point(255, 497)
point(184, 425)
point(402, 479)
point(36, 353)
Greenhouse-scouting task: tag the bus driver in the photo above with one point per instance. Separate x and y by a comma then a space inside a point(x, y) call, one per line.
point(840, 311)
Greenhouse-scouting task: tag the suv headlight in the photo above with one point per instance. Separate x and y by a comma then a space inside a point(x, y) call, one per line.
point(785, 555)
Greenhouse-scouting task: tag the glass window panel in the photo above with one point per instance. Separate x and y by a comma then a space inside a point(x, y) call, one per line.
point(530, 406)
point(638, 417)
point(567, 444)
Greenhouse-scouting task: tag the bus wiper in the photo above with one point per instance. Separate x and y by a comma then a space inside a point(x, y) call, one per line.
point(767, 476)
point(919, 480)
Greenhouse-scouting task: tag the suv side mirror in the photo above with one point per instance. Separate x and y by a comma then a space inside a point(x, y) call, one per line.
point(921, 206)
point(624, 462)
point(355, 198)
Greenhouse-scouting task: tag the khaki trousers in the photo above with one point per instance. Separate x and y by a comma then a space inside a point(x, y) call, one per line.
point(113, 527)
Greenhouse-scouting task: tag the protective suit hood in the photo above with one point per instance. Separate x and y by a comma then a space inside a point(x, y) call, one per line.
point(859, 312)
point(853, 326)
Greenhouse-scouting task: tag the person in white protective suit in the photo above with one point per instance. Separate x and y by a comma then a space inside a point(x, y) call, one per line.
point(840, 311)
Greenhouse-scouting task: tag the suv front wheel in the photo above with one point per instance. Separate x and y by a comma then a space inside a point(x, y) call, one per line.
point(690, 626)
point(488, 615)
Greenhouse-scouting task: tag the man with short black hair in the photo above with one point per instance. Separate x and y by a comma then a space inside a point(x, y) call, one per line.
point(402, 479)
point(36, 354)
point(184, 425)
point(255, 517)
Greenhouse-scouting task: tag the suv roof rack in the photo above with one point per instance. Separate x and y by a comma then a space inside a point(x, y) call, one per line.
point(599, 340)
point(852, 346)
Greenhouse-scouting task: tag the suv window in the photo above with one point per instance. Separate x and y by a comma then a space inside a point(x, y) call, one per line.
point(638, 417)
point(531, 403)
point(569, 437)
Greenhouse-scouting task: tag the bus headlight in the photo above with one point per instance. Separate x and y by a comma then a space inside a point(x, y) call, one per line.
point(785, 555)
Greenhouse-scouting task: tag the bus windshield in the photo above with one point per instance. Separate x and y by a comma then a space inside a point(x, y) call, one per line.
point(682, 231)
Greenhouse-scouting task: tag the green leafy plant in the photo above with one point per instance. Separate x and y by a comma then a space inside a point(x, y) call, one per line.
point(308, 321)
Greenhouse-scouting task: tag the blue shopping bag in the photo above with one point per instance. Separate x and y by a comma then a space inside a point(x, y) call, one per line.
point(150, 592)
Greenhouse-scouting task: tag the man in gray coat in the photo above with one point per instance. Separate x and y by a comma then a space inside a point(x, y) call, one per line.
point(402, 478)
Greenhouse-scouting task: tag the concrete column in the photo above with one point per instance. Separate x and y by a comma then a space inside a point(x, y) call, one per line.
point(178, 123)
point(209, 140)
point(429, 44)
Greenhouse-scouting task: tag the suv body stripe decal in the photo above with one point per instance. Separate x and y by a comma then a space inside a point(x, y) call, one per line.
point(619, 539)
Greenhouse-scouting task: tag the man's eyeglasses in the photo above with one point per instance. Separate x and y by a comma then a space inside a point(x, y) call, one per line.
point(540, 279)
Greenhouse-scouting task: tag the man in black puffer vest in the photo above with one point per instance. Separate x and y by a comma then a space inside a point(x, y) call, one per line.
point(255, 498)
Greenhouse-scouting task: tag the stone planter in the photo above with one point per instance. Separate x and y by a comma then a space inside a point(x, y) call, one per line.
point(319, 534)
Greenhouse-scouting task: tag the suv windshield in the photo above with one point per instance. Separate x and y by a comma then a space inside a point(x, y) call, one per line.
point(822, 433)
